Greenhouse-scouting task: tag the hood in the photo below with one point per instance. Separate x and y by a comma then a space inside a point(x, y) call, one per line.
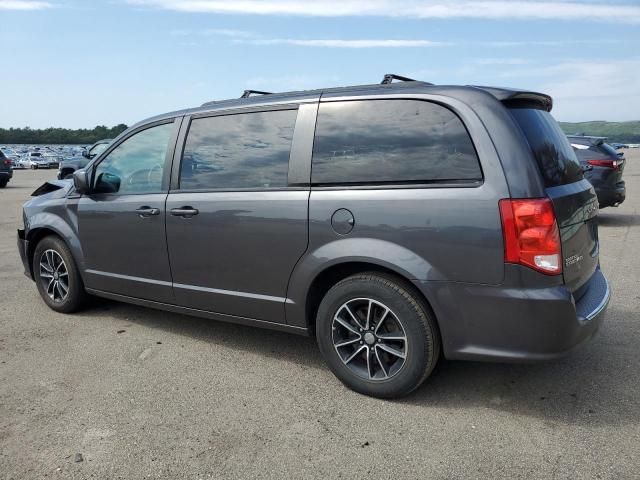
point(54, 189)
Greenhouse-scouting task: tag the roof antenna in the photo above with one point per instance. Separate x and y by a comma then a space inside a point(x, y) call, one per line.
point(248, 93)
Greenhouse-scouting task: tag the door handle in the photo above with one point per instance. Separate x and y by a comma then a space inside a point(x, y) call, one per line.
point(186, 212)
point(144, 212)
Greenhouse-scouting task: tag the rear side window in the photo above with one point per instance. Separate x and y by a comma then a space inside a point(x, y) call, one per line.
point(391, 141)
point(556, 159)
point(249, 150)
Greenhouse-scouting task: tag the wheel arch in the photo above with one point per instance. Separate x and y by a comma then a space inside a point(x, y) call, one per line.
point(334, 273)
point(37, 233)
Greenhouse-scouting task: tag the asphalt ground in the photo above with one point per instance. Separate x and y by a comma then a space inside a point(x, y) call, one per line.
point(120, 391)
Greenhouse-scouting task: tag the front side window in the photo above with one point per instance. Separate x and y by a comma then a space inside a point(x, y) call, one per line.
point(248, 150)
point(136, 165)
point(391, 141)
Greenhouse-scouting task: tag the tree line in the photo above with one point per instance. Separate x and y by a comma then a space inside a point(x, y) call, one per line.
point(59, 135)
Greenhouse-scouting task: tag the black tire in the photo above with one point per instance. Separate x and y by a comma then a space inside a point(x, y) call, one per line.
point(422, 339)
point(3, 183)
point(75, 294)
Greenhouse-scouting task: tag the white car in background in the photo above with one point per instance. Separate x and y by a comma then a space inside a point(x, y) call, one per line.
point(35, 160)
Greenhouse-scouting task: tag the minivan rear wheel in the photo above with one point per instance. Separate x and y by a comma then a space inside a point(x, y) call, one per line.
point(377, 336)
point(57, 276)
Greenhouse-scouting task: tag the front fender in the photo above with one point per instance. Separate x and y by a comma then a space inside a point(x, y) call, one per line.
point(65, 228)
point(388, 255)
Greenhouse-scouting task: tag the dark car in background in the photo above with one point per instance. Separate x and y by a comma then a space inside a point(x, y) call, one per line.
point(6, 169)
point(602, 166)
point(393, 222)
point(68, 166)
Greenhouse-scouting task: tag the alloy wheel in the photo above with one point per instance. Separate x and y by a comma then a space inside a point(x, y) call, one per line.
point(369, 339)
point(54, 276)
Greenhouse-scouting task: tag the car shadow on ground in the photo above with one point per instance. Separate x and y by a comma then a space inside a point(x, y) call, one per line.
point(271, 343)
point(583, 388)
point(607, 219)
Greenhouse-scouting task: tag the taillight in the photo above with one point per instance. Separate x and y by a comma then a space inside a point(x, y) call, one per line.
point(605, 163)
point(531, 235)
point(7, 162)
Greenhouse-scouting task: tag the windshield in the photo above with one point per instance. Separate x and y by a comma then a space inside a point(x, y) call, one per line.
point(98, 149)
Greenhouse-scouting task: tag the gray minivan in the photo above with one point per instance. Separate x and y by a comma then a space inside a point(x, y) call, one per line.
point(395, 222)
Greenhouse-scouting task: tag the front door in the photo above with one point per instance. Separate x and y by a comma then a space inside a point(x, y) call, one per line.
point(122, 221)
point(235, 227)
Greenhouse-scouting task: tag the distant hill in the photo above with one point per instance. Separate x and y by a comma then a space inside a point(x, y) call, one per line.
point(622, 132)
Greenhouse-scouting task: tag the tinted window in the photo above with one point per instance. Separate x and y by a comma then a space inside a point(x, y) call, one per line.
point(381, 141)
point(556, 159)
point(249, 150)
point(137, 164)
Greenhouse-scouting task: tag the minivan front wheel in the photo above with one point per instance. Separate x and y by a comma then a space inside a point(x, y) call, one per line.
point(377, 336)
point(57, 276)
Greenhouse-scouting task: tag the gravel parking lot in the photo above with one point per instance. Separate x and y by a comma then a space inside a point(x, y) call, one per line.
point(121, 391)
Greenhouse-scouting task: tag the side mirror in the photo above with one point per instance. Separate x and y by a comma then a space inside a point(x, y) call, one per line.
point(81, 181)
point(107, 182)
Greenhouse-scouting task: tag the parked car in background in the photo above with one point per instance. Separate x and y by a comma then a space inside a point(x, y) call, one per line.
point(15, 160)
point(68, 166)
point(392, 222)
point(52, 159)
point(35, 160)
point(6, 170)
point(603, 167)
point(12, 155)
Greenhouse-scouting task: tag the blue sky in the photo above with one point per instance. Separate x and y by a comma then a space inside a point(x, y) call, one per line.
point(73, 63)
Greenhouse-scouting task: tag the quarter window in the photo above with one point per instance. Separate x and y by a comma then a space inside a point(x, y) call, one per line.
point(137, 164)
point(391, 141)
point(249, 150)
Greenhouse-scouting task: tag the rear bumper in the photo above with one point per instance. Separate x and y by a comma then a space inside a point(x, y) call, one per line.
point(23, 248)
point(497, 323)
point(6, 174)
point(608, 197)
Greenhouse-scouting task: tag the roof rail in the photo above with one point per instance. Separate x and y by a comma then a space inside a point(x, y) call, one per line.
point(390, 77)
point(248, 93)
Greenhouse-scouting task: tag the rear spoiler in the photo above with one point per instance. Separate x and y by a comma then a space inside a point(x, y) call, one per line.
point(595, 141)
point(520, 98)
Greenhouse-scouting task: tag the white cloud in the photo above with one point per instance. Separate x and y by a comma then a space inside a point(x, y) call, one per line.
point(224, 32)
point(23, 5)
point(501, 61)
point(254, 38)
point(342, 43)
point(439, 9)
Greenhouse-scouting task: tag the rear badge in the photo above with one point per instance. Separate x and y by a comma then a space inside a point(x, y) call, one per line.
point(572, 260)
